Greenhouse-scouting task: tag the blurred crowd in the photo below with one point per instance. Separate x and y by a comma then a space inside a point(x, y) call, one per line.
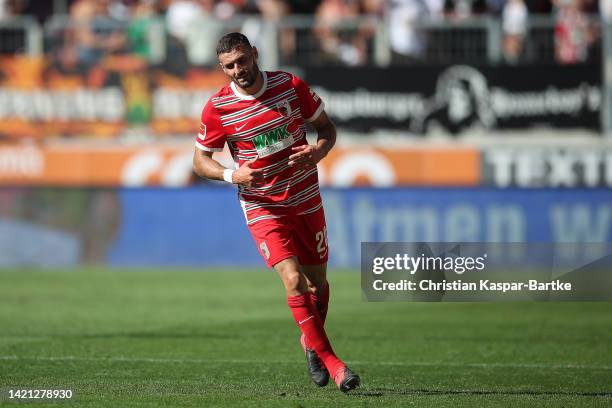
point(340, 30)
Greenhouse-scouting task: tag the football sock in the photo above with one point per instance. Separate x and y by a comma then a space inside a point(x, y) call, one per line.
point(321, 301)
point(308, 320)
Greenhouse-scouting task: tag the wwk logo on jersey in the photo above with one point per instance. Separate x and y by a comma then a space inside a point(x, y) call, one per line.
point(273, 141)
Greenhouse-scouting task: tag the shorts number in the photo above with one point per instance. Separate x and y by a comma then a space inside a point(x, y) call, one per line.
point(321, 238)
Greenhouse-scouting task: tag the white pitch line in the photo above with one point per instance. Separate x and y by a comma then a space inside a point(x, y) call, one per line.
point(374, 363)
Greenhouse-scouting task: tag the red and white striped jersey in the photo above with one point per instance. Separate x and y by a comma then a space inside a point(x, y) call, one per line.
point(265, 126)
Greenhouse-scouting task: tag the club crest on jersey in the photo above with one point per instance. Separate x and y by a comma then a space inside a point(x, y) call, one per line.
point(264, 250)
point(283, 108)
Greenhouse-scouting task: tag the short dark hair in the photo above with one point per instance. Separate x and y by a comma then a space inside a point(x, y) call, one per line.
point(230, 42)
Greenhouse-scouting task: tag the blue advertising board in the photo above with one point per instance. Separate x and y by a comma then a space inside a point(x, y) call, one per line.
point(205, 227)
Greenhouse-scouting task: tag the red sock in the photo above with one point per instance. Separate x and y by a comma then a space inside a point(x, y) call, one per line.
point(321, 301)
point(309, 322)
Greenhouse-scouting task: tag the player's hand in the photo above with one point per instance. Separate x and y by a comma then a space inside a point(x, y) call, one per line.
point(247, 176)
point(304, 157)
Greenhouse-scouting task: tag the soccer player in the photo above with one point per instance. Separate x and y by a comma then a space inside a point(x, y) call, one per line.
point(261, 116)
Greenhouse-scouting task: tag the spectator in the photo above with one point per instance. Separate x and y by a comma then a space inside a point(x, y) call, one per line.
point(408, 41)
point(203, 29)
point(121, 10)
point(573, 35)
point(179, 17)
point(226, 9)
point(94, 33)
point(514, 23)
point(262, 26)
point(374, 8)
point(337, 43)
point(459, 9)
point(435, 9)
point(143, 14)
point(180, 14)
point(10, 8)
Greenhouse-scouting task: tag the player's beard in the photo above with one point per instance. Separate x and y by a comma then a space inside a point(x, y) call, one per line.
point(249, 79)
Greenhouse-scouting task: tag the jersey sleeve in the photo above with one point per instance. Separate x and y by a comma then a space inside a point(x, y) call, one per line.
point(211, 136)
point(311, 104)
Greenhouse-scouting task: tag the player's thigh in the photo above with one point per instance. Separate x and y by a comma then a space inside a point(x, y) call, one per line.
point(310, 238)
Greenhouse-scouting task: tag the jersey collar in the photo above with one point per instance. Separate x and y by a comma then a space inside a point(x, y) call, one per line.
point(264, 86)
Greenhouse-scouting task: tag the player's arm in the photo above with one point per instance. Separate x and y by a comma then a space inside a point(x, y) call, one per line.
point(326, 131)
point(207, 167)
point(309, 155)
point(211, 138)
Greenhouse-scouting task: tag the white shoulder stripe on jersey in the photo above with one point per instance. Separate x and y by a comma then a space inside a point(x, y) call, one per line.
point(206, 148)
point(317, 113)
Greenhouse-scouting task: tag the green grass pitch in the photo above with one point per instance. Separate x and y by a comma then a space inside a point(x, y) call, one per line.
point(226, 338)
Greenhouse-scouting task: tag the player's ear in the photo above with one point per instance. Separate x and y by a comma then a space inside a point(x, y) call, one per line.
point(255, 53)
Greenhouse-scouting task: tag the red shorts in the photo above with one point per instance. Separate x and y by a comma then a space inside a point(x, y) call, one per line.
point(304, 236)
